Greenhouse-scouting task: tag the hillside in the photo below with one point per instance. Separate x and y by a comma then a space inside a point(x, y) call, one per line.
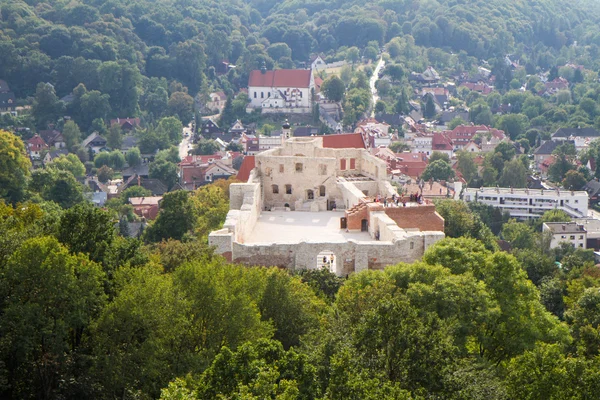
point(62, 43)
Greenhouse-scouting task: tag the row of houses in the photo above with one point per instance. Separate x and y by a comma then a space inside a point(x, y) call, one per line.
point(470, 138)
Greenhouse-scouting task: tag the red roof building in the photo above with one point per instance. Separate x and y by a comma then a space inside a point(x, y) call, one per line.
point(344, 141)
point(146, 207)
point(281, 78)
point(192, 170)
point(410, 164)
point(35, 146)
point(442, 144)
point(247, 166)
point(126, 123)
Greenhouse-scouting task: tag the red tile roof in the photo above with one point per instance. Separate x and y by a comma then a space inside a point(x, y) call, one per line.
point(344, 141)
point(36, 143)
point(247, 165)
point(440, 142)
point(283, 78)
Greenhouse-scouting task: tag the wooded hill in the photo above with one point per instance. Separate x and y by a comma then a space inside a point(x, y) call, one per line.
point(65, 42)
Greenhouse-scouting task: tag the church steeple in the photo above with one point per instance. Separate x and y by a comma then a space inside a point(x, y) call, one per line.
point(286, 132)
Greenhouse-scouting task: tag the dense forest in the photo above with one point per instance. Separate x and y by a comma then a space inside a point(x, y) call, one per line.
point(88, 313)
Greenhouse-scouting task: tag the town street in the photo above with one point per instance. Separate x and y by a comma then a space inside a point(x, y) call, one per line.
point(372, 82)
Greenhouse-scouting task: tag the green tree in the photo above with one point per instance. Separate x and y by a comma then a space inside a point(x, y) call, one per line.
point(466, 165)
point(175, 218)
point(105, 173)
point(438, 170)
point(114, 138)
point(429, 108)
point(333, 88)
point(172, 128)
point(87, 229)
point(398, 147)
point(395, 72)
point(206, 147)
point(514, 174)
point(117, 160)
point(72, 134)
point(102, 158)
point(513, 124)
point(133, 157)
point(456, 121)
point(57, 185)
point(438, 155)
point(14, 167)
point(49, 299)
point(181, 105)
point(519, 234)
point(70, 163)
point(165, 171)
point(574, 180)
point(46, 108)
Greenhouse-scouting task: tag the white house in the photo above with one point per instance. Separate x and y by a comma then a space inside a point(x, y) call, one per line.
point(284, 90)
point(566, 232)
point(530, 203)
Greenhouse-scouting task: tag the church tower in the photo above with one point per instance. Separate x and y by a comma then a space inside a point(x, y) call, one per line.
point(286, 132)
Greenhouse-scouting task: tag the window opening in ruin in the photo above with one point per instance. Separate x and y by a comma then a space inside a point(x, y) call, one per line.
point(326, 260)
point(275, 189)
point(322, 190)
point(352, 163)
point(288, 189)
point(281, 168)
point(322, 169)
point(412, 245)
point(343, 164)
point(299, 167)
point(310, 195)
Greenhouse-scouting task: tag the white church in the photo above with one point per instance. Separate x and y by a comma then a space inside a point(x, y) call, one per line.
point(282, 90)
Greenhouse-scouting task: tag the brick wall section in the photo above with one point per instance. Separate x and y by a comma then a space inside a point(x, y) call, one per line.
point(356, 214)
point(422, 217)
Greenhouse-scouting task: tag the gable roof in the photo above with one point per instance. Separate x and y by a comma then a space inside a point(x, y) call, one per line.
point(51, 136)
point(247, 165)
point(154, 185)
point(52, 154)
point(581, 132)
point(592, 187)
point(7, 99)
point(344, 141)
point(283, 78)
point(440, 142)
point(92, 137)
point(123, 121)
point(305, 131)
point(36, 143)
point(549, 146)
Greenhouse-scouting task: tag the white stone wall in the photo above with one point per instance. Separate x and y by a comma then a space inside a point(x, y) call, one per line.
point(350, 257)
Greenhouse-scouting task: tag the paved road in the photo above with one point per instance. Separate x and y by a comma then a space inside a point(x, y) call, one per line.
point(374, 79)
point(184, 146)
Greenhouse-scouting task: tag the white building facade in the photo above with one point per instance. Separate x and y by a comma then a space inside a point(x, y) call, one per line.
point(572, 233)
point(530, 203)
point(283, 90)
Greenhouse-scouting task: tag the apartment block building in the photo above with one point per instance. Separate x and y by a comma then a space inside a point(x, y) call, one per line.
point(530, 203)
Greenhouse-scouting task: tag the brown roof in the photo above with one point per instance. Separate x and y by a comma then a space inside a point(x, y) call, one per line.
point(283, 78)
point(344, 141)
point(247, 165)
point(36, 143)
